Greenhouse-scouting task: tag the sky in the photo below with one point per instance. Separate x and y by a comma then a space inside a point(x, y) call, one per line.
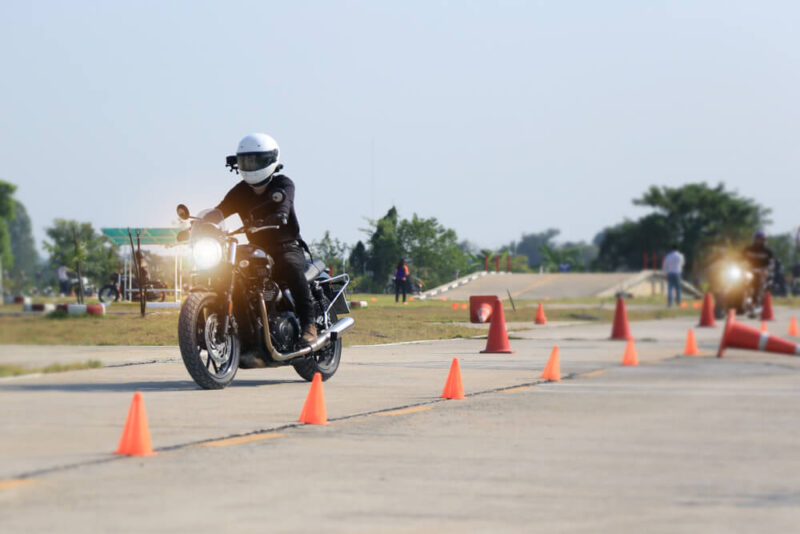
point(498, 118)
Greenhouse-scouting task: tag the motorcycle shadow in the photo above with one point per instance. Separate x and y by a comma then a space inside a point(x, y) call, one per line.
point(142, 386)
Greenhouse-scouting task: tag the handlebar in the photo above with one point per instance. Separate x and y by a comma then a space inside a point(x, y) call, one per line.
point(253, 229)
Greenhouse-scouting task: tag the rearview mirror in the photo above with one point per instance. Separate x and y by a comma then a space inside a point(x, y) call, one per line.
point(183, 212)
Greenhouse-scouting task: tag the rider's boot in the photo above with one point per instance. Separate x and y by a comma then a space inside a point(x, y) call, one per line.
point(309, 334)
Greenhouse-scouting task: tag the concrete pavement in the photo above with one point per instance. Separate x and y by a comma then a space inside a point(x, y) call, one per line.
point(677, 444)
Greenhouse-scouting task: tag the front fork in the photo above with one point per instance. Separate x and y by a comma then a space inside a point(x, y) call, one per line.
point(229, 295)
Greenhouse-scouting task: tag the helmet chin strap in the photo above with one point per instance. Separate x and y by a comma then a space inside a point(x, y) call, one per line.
point(263, 183)
point(261, 186)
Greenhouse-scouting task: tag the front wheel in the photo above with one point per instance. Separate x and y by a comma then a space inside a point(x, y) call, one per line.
point(108, 293)
point(211, 359)
point(326, 360)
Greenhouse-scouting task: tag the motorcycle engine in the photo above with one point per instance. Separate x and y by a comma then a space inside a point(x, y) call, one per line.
point(285, 329)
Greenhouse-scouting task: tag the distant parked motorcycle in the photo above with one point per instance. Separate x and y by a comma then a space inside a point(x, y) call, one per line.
point(88, 289)
point(113, 291)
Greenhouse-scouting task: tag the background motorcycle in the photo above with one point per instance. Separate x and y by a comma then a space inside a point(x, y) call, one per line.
point(113, 291)
point(88, 289)
point(238, 315)
point(736, 285)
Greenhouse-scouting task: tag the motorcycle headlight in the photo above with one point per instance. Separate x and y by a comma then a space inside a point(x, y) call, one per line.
point(733, 273)
point(207, 253)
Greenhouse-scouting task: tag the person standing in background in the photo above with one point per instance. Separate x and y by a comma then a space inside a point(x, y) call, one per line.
point(63, 280)
point(673, 267)
point(400, 279)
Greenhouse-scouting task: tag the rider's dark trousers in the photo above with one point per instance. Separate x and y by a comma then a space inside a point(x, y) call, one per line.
point(290, 266)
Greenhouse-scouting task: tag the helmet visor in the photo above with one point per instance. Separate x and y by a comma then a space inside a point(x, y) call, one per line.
point(254, 161)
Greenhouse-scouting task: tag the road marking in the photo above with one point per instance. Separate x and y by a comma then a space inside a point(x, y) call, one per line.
point(533, 285)
point(590, 374)
point(516, 389)
point(15, 483)
point(413, 409)
point(241, 439)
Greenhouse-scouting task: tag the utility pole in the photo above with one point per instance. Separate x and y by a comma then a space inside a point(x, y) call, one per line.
point(372, 177)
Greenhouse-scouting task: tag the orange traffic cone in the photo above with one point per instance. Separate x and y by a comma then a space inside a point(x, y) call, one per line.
point(314, 408)
point(766, 310)
point(480, 308)
point(552, 371)
point(541, 318)
point(707, 315)
point(135, 439)
point(691, 345)
point(621, 329)
point(454, 305)
point(729, 320)
point(793, 327)
point(630, 357)
point(498, 335)
point(453, 388)
point(763, 326)
point(741, 336)
point(484, 313)
point(465, 306)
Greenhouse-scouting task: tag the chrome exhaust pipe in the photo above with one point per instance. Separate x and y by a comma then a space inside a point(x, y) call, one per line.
point(332, 334)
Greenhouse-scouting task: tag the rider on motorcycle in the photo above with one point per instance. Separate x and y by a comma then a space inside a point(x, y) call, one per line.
point(266, 198)
point(760, 258)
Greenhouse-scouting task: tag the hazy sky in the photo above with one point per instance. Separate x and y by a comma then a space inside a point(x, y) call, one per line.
point(497, 118)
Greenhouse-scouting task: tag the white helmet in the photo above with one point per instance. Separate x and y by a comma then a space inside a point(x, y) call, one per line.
point(258, 158)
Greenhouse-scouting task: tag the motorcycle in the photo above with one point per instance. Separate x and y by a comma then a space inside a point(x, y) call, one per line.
point(88, 289)
point(736, 285)
point(238, 315)
point(113, 291)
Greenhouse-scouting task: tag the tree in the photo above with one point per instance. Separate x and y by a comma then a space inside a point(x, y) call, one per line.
point(530, 244)
point(782, 246)
point(6, 216)
point(554, 257)
point(97, 254)
point(623, 246)
point(358, 259)
point(693, 216)
point(329, 250)
point(384, 248)
point(432, 250)
point(26, 259)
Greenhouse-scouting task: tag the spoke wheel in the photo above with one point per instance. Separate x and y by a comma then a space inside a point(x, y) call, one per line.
point(211, 359)
point(326, 360)
point(108, 294)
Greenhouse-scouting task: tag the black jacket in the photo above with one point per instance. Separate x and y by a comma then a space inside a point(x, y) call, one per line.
point(759, 257)
point(274, 205)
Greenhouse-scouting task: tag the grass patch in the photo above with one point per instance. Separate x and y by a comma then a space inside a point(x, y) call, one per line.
point(115, 329)
point(382, 321)
point(17, 370)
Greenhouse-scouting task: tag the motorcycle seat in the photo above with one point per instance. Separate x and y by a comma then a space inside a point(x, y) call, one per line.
point(314, 268)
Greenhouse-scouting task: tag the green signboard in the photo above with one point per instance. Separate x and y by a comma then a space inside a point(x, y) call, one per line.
point(147, 236)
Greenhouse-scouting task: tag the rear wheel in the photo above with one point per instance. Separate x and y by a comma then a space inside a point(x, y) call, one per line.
point(211, 360)
point(326, 360)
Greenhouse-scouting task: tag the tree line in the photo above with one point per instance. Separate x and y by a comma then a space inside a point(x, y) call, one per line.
point(697, 217)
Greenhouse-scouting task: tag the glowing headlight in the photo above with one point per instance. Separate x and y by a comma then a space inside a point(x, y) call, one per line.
point(733, 273)
point(207, 253)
